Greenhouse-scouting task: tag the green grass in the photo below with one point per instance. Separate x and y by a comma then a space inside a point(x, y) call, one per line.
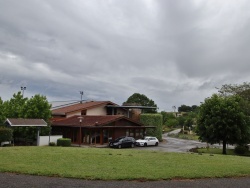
point(185, 136)
point(115, 164)
point(219, 151)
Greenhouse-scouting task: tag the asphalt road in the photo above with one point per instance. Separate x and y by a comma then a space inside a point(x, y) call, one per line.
point(9, 180)
point(170, 144)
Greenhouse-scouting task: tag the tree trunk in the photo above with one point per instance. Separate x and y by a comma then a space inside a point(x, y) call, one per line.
point(224, 147)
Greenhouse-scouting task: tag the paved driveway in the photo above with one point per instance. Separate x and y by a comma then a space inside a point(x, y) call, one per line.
point(170, 144)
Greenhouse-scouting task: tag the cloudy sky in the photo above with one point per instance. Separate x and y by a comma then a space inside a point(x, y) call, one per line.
point(173, 51)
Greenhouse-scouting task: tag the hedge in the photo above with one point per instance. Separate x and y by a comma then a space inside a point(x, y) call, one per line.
point(6, 134)
point(63, 142)
point(153, 120)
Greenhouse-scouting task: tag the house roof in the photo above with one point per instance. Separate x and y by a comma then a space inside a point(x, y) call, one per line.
point(80, 106)
point(15, 122)
point(90, 121)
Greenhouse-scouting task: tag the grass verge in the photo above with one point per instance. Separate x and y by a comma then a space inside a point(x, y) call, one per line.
point(219, 151)
point(115, 164)
point(184, 136)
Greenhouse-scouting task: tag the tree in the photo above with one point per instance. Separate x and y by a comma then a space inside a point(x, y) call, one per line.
point(19, 107)
point(242, 90)
point(5, 134)
point(2, 117)
point(169, 119)
point(223, 119)
point(142, 100)
point(14, 107)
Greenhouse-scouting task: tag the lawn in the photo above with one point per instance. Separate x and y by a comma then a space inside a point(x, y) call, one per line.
point(219, 151)
point(115, 164)
point(185, 136)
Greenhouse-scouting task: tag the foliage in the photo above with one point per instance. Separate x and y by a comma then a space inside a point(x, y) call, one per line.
point(14, 107)
point(88, 163)
point(52, 144)
point(2, 117)
point(241, 150)
point(153, 120)
point(185, 108)
point(64, 142)
point(19, 107)
point(242, 90)
point(38, 107)
point(143, 100)
point(222, 119)
point(5, 134)
point(169, 119)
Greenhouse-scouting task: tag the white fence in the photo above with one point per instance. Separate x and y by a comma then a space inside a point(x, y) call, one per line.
point(45, 140)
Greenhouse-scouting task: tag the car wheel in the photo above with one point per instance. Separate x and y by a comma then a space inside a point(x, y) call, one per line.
point(111, 144)
point(156, 144)
point(145, 144)
point(132, 145)
point(119, 146)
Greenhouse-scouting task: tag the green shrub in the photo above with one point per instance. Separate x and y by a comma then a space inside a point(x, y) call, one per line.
point(64, 142)
point(52, 144)
point(241, 150)
point(7, 145)
point(153, 120)
point(5, 134)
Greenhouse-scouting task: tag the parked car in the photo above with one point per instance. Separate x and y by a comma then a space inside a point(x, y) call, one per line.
point(123, 142)
point(148, 141)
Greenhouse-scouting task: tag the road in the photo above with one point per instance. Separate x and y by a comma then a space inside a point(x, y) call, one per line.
point(11, 180)
point(170, 144)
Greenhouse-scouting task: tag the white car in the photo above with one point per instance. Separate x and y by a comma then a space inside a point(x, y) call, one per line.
point(148, 141)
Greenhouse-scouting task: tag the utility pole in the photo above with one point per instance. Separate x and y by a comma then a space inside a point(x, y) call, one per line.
point(81, 93)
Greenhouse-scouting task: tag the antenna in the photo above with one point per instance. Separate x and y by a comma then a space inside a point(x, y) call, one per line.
point(81, 93)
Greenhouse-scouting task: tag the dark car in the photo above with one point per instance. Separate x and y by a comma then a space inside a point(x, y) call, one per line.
point(123, 142)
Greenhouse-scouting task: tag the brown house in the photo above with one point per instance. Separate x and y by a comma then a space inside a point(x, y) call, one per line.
point(97, 129)
point(95, 122)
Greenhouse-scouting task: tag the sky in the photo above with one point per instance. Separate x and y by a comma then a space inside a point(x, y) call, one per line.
point(173, 51)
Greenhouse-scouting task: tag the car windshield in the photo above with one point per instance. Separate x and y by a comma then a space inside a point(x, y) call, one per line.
point(119, 139)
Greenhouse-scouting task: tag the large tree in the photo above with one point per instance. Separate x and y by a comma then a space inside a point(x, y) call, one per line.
point(242, 90)
point(2, 117)
point(18, 107)
point(224, 119)
point(142, 100)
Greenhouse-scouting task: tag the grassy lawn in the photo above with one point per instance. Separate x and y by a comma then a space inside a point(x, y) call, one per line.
point(115, 164)
point(185, 136)
point(219, 151)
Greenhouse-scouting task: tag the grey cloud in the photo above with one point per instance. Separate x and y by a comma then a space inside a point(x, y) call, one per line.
point(175, 52)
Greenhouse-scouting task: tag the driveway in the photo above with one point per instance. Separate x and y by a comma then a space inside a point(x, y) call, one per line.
point(170, 144)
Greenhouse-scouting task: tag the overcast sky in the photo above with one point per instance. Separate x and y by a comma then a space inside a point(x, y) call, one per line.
point(173, 51)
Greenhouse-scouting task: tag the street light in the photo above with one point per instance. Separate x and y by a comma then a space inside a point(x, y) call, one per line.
point(80, 130)
point(22, 89)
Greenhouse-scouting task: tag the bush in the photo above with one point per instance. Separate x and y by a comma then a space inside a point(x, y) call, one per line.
point(52, 144)
point(153, 120)
point(64, 142)
point(241, 150)
point(5, 134)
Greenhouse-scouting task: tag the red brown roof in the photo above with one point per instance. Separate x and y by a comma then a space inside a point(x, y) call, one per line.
point(88, 121)
point(80, 106)
point(26, 122)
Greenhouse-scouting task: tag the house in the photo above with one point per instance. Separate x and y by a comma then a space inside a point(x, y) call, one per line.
point(95, 122)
